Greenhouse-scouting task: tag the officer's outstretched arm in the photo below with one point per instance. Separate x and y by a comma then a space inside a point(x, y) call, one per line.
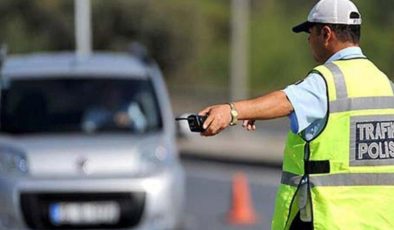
point(269, 106)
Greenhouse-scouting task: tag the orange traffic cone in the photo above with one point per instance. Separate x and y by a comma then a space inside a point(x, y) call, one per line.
point(242, 211)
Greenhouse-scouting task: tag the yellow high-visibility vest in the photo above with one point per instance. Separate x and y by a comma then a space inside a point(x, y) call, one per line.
point(344, 177)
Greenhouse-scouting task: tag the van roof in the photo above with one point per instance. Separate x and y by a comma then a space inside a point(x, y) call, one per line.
point(68, 64)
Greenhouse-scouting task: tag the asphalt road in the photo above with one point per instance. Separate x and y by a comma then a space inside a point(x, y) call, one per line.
point(209, 194)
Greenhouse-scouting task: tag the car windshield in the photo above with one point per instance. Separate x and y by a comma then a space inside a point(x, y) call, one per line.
point(88, 105)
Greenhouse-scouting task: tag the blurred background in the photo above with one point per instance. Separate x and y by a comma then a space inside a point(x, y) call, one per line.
point(191, 39)
point(193, 43)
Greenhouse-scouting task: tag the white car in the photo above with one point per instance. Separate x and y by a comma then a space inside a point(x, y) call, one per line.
point(87, 143)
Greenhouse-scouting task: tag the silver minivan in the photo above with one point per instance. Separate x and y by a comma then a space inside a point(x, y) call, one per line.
point(87, 143)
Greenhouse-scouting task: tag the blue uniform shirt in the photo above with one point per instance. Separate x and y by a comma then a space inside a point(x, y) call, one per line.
point(309, 98)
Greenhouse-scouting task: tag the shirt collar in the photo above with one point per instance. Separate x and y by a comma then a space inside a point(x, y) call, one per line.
point(347, 53)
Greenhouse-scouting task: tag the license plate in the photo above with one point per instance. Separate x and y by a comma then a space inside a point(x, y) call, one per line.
point(84, 213)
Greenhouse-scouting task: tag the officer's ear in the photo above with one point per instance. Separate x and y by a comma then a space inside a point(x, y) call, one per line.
point(327, 34)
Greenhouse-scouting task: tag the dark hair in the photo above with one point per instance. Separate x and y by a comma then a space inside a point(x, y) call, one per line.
point(344, 32)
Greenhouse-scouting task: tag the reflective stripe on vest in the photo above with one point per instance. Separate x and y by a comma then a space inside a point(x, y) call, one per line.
point(361, 104)
point(342, 179)
point(339, 80)
point(343, 103)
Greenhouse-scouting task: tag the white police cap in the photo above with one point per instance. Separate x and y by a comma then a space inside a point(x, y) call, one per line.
point(331, 12)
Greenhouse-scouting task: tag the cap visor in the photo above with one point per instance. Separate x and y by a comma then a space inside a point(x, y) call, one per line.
point(303, 27)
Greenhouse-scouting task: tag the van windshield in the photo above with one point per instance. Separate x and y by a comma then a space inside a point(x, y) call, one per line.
point(88, 105)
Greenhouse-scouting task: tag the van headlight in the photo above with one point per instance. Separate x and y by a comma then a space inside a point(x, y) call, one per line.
point(13, 162)
point(154, 159)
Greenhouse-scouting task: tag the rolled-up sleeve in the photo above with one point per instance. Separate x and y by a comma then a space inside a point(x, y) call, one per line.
point(309, 100)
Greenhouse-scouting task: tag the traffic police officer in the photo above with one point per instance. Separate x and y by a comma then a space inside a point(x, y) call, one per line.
point(338, 169)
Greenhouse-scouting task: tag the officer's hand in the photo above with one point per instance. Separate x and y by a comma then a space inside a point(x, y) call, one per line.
point(249, 125)
point(219, 118)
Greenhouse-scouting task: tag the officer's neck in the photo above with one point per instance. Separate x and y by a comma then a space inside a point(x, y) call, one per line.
point(336, 47)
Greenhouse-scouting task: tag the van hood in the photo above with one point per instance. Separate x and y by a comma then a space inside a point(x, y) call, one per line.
point(76, 155)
